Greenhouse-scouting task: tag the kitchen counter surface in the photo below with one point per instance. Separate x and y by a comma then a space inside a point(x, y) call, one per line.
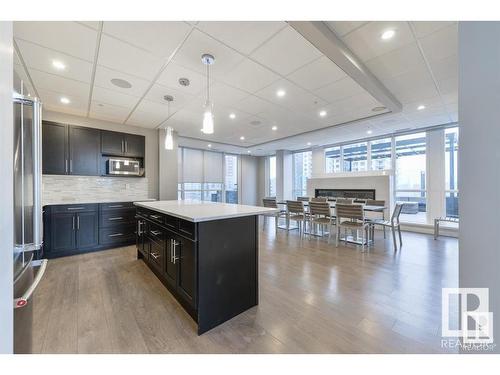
point(90, 201)
point(197, 211)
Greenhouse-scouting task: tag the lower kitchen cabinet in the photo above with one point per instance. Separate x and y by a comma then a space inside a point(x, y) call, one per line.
point(80, 228)
point(185, 258)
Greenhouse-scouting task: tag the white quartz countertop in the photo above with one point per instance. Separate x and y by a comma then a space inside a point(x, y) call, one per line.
point(50, 202)
point(197, 211)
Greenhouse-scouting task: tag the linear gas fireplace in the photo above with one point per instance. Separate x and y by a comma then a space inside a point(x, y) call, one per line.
point(346, 193)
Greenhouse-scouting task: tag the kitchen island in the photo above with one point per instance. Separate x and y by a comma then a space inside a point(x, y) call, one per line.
point(205, 253)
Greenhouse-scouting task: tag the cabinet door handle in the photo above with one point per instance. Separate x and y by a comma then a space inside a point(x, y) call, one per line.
point(116, 206)
point(156, 232)
point(76, 208)
point(73, 222)
point(70, 165)
point(123, 146)
point(116, 235)
point(155, 255)
point(139, 231)
point(126, 146)
point(157, 217)
point(78, 222)
point(66, 165)
point(174, 250)
point(115, 218)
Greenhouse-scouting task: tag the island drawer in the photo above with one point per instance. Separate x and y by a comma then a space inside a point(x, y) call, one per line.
point(155, 232)
point(74, 208)
point(157, 254)
point(118, 216)
point(116, 205)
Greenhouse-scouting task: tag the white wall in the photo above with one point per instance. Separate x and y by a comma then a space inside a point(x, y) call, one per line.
point(248, 185)
point(479, 166)
point(168, 168)
point(6, 203)
point(151, 158)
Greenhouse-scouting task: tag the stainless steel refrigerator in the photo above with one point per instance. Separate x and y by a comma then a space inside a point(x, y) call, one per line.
point(28, 231)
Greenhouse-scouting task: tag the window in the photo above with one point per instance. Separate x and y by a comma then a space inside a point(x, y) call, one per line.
point(272, 176)
point(355, 157)
point(381, 150)
point(231, 178)
point(333, 157)
point(302, 168)
point(451, 171)
point(410, 176)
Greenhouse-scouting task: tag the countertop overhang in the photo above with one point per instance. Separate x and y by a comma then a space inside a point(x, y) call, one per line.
point(197, 211)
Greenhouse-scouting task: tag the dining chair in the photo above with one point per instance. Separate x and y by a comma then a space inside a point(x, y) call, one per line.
point(394, 224)
point(271, 203)
point(296, 212)
point(378, 203)
point(355, 215)
point(318, 199)
point(321, 214)
point(344, 201)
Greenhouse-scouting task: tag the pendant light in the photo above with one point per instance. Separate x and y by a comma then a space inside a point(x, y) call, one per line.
point(169, 140)
point(208, 116)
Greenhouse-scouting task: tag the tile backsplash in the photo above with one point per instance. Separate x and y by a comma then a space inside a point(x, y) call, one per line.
point(67, 189)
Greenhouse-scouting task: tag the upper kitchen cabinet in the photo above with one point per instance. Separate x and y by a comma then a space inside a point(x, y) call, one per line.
point(122, 144)
point(55, 148)
point(84, 151)
point(70, 149)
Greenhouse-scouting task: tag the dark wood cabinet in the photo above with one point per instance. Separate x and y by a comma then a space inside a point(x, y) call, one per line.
point(54, 148)
point(84, 151)
point(87, 230)
point(170, 267)
point(78, 228)
point(185, 258)
point(122, 144)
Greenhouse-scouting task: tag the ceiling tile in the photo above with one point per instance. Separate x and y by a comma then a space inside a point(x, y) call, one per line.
point(250, 76)
point(286, 52)
point(317, 74)
point(148, 114)
point(170, 78)
point(103, 77)
point(92, 24)
point(424, 28)
point(51, 101)
point(159, 38)
point(340, 89)
point(41, 58)
point(66, 87)
point(441, 44)
point(366, 42)
point(254, 105)
point(198, 44)
point(342, 28)
point(224, 95)
point(414, 85)
point(68, 37)
point(396, 62)
point(445, 68)
point(121, 56)
point(114, 98)
point(244, 36)
point(108, 112)
point(157, 93)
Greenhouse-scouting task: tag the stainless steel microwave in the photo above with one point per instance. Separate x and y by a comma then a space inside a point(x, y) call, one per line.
point(125, 167)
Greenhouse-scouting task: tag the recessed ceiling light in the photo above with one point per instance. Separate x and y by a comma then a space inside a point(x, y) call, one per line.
point(322, 113)
point(242, 138)
point(308, 143)
point(274, 127)
point(420, 107)
point(232, 116)
point(64, 100)
point(59, 65)
point(378, 109)
point(369, 131)
point(121, 83)
point(209, 145)
point(280, 93)
point(388, 34)
point(249, 151)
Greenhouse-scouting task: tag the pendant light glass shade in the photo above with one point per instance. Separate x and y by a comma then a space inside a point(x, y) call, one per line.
point(208, 119)
point(169, 140)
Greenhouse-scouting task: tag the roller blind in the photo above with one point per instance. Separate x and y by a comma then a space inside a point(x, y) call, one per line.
point(212, 167)
point(192, 165)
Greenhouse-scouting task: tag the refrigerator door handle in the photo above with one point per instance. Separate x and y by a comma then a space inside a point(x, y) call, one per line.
point(23, 300)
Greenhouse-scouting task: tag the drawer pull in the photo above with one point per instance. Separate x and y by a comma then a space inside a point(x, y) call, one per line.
point(116, 235)
point(155, 255)
point(156, 232)
point(115, 218)
point(157, 217)
point(76, 208)
point(116, 206)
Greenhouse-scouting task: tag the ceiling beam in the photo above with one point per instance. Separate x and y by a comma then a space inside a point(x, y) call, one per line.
point(327, 42)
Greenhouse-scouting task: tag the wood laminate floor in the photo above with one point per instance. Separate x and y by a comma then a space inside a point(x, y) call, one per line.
point(314, 298)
